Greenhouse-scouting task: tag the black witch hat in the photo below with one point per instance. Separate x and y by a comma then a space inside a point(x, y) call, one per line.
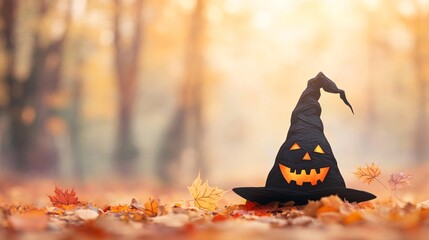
point(305, 167)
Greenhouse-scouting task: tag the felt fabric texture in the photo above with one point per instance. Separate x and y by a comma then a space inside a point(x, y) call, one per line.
point(264, 195)
point(305, 167)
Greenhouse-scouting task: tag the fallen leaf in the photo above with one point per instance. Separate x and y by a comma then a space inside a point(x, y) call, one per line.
point(62, 198)
point(151, 207)
point(118, 208)
point(249, 206)
point(312, 207)
point(325, 209)
point(367, 174)
point(333, 202)
point(347, 208)
point(409, 207)
point(136, 205)
point(219, 218)
point(205, 197)
point(366, 204)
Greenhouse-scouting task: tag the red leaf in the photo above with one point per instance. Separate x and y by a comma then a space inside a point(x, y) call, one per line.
point(219, 218)
point(62, 198)
point(249, 206)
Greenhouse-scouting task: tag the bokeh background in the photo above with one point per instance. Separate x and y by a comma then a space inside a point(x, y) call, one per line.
point(162, 89)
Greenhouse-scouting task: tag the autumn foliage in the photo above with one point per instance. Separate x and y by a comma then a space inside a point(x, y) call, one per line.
point(203, 215)
point(61, 198)
point(205, 197)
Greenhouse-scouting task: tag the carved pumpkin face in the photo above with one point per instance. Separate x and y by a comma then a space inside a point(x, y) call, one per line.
point(305, 174)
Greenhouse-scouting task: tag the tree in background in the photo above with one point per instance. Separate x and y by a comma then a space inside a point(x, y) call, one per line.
point(417, 24)
point(126, 66)
point(421, 63)
point(30, 115)
point(8, 18)
point(184, 137)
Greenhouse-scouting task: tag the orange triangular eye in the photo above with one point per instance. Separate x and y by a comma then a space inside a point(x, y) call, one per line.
point(318, 149)
point(295, 146)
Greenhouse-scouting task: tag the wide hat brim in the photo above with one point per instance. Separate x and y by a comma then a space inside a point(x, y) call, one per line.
point(264, 195)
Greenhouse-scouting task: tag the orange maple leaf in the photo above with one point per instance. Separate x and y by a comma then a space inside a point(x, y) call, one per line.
point(62, 198)
point(151, 207)
point(368, 174)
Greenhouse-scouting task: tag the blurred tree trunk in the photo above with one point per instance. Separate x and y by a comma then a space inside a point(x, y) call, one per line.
point(183, 141)
point(13, 109)
point(417, 24)
point(126, 64)
point(377, 50)
point(421, 60)
point(75, 127)
point(32, 146)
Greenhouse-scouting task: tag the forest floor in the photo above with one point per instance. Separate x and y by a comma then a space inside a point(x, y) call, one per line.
point(46, 209)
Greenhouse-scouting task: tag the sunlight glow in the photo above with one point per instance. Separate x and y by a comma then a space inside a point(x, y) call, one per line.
point(78, 8)
point(407, 8)
point(232, 6)
point(262, 20)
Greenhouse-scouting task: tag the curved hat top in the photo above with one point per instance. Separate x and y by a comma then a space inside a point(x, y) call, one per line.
point(307, 111)
point(305, 167)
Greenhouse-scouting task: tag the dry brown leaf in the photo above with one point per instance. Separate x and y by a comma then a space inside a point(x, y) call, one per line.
point(205, 197)
point(151, 207)
point(367, 174)
point(312, 207)
point(136, 205)
point(332, 201)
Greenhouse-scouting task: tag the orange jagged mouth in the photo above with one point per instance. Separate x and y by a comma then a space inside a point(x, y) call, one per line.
point(303, 177)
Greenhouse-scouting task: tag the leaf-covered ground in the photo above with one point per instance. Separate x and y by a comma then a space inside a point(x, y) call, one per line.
point(47, 210)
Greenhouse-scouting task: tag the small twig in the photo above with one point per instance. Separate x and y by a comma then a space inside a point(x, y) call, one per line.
point(382, 184)
point(396, 196)
point(385, 187)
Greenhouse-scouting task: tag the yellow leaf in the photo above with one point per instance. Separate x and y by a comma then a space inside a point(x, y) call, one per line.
point(151, 207)
point(367, 174)
point(332, 202)
point(205, 197)
point(312, 207)
point(119, 209)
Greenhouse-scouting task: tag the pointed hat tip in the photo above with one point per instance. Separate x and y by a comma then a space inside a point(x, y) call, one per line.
point(322, 81)
point(320, 74)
